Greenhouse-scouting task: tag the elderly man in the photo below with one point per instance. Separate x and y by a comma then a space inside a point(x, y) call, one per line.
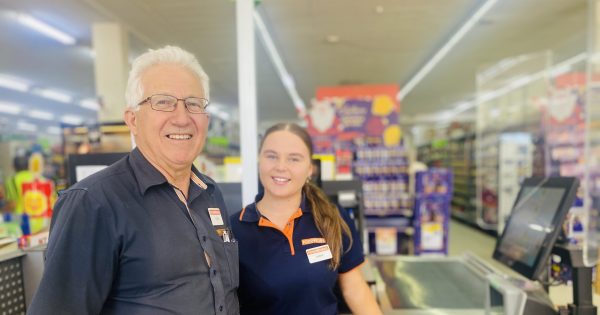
point(149, 234)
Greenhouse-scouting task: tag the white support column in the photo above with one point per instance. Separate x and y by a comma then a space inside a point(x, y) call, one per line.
point(591, 245)
point(111, 64)
point(247, 99)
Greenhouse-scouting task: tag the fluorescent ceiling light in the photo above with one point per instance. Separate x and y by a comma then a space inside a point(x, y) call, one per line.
point(53, 130)
point(463, 106)
point(539, 228)
point(284, 75)
point(72, 120)
point(557, 69)
point(519, 81)
point(54, 95)
point(10, 108)
point(39, 114)
point(567, 64)
point(45, 29)
point(500, 67)
point(13, 83)
point(26, 126)
point(445, 49)
point(90, 103)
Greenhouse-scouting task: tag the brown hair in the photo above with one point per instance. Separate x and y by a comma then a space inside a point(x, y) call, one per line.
point(326, 215)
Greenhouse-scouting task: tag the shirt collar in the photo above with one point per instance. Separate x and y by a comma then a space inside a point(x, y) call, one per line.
point(147, 175)
point(250, 212)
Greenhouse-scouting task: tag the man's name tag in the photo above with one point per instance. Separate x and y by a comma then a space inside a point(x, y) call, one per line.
point(319, 253)
point(215, 216)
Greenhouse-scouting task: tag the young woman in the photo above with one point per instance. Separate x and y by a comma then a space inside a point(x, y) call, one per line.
point(295, 245)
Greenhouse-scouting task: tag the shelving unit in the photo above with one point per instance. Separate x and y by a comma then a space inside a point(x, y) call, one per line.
point(434, 154)
point(487, 180)
point(388, 205)
point(384, 175)
point(106, 137)
point(461, 159)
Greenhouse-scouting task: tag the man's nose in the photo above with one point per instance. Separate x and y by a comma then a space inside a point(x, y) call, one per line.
point(181, 103)
point(181, 111)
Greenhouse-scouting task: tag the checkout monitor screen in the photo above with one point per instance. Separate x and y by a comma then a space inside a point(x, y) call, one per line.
point(535, 223)
point(79, 166)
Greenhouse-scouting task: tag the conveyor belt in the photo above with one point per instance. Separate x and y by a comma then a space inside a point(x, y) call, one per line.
point(431, 284)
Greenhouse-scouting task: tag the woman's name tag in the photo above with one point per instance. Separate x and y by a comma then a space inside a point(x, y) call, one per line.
point(318, 253)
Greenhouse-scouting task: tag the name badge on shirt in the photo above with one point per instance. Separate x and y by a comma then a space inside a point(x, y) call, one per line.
point(318, 253)
point(215, 216)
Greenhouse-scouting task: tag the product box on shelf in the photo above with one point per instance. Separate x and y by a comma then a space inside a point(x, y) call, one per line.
point(434, 181)
point(431, 223)
point(390, 236)
point(385, 179)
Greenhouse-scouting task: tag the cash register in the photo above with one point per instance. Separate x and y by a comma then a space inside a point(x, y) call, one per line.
point(525, 246)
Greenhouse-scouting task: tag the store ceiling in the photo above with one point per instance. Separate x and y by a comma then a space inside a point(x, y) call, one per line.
point(383, 41)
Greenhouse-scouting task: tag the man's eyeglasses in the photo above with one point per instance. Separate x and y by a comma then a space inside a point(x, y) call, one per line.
point(168, 103)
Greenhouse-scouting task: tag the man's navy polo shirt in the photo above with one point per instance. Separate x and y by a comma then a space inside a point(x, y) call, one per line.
point(276, 276)
point(122, 242)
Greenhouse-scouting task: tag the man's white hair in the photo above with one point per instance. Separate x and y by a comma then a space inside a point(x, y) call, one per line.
point(166, 55)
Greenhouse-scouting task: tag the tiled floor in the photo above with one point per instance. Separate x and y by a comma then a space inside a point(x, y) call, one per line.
point(464, 238)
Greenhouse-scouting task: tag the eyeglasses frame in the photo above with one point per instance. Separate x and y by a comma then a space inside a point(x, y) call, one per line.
point(147, 100)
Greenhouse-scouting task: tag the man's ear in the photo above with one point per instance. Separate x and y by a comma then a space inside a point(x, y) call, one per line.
point(131, 121)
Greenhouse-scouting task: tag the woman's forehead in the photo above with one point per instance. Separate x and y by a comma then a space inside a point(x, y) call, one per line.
point(284, 141)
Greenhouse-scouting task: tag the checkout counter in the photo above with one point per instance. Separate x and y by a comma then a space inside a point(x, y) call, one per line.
point(467, 285)
point(462, 285)
point(20, 274)
point(12, 289)
point(429, 285)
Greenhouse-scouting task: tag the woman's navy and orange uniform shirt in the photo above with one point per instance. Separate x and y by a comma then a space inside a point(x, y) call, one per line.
point(276, 276)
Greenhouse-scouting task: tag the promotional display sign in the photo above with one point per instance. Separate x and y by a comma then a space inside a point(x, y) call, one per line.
point(346, 117)
point(37, 204)
point(37, 197)
point(565, 130)
point(564, 125)
point(433, 192)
